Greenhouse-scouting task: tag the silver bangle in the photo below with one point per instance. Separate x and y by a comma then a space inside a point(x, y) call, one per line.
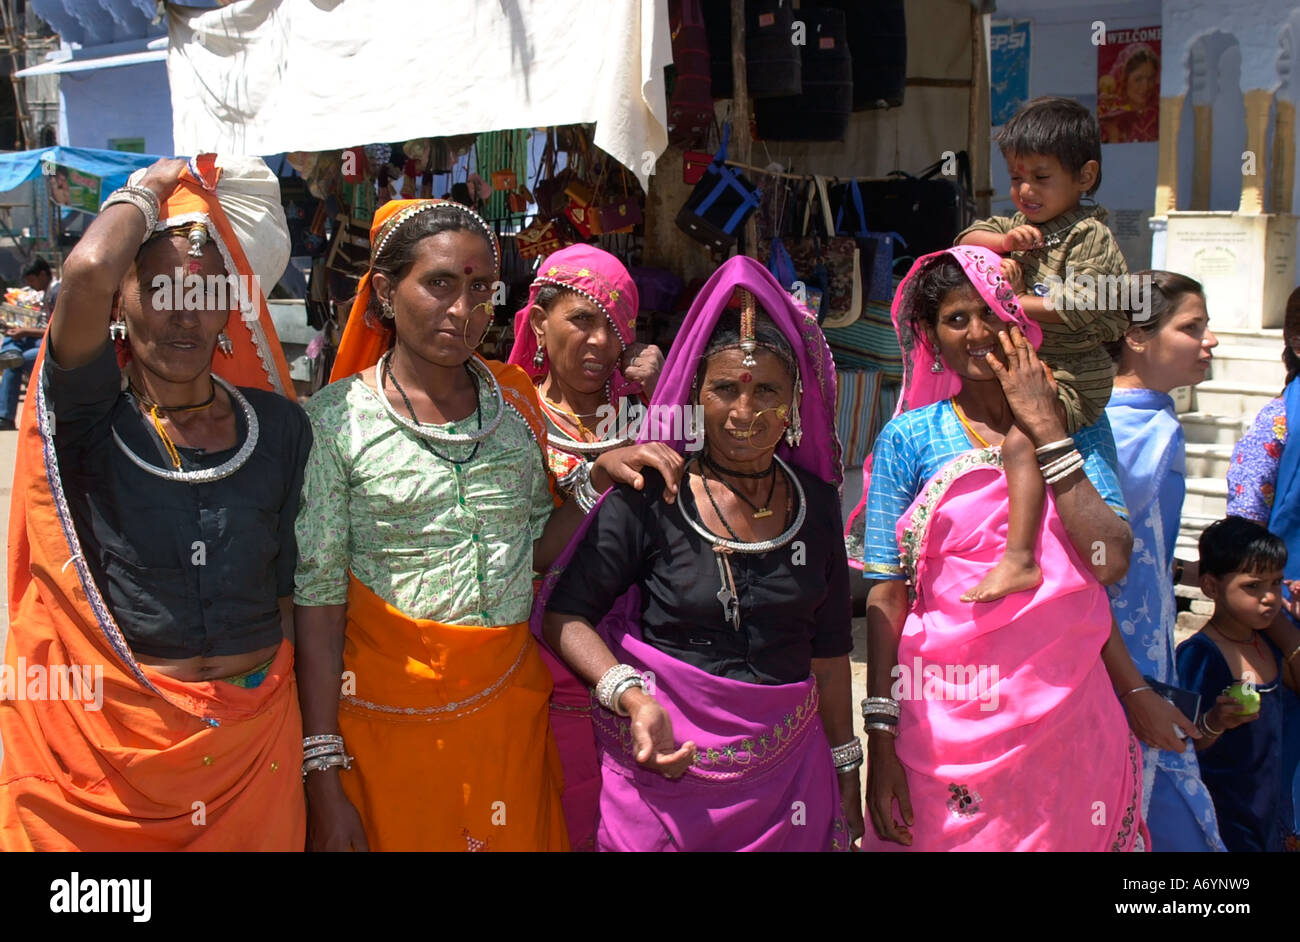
point(848, 767)
point(329, 749)
point(143, 199)
point(884, 727)
point(887, 705)
point(611, 680)
point(337, 760)
point(616, 698)
point(848, 752)
point(1057, 463)
point(1065, 472)
point(309, 741)
point(584, 493)
point(1046, 449)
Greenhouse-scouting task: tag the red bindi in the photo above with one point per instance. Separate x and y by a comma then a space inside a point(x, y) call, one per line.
point(194, 267)
point(469, 269)
point(746, 377)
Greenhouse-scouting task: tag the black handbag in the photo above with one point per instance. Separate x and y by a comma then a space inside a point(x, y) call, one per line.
point(820, 112)
point(719, 204)
point(928, 210)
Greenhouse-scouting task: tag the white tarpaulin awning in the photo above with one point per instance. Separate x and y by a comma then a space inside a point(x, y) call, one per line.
point(270, 76)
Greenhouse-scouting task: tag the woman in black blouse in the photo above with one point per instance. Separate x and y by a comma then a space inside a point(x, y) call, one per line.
point(721, 657)
point(159, 475)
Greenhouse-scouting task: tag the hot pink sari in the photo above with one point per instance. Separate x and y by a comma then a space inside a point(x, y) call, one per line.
point(1037, 755)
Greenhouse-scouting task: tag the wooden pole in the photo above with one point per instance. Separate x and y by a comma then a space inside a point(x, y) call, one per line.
point(1171, 110)
point(742, 143)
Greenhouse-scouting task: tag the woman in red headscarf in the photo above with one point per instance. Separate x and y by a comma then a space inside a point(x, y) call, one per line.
point(576, 338)
point(427, 507)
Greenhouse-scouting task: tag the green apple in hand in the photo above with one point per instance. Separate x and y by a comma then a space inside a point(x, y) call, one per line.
point(1246, 695)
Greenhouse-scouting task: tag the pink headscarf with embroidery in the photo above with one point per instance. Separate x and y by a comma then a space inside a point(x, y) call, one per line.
point(600, 278)
point(983, 267)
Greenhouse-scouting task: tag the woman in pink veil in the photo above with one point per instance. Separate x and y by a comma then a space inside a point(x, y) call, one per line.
point(992, 726)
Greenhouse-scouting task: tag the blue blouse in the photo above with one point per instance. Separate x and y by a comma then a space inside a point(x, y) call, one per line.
point(916, 445)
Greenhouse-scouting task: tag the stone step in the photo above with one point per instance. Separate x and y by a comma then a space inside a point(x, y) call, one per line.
point(1208, 460)
point(1239, 364)
point(1206, 497)
point(1234, 400)
point(1210, 429)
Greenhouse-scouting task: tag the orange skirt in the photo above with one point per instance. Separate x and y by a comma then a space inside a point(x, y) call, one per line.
point(449, 728)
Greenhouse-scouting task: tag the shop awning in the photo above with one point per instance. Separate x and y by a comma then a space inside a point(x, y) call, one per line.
point(264, 78)
point(111, 166)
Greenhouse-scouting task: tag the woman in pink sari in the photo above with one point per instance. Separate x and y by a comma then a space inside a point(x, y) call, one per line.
point(993, 726)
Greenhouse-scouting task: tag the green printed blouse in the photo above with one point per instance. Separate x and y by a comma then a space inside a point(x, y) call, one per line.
point(437, 540)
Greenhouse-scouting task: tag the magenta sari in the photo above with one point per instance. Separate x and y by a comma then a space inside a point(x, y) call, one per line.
point(1053, 765)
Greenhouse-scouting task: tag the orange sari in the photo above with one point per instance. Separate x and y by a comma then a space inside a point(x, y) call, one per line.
point(133, 760)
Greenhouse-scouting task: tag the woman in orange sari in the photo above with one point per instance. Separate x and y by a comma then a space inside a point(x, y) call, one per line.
point(427, 507)
point(147, 699)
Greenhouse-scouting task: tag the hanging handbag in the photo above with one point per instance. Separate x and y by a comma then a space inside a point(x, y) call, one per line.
point(927, 210)
point(695, 164)
point(621, 215)
point(876, 248)
point(690, 104)
point(720, 202)
point(539, 238)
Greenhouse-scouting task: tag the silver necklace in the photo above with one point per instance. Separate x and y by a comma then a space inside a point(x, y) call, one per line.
point(431, 432)
point(205, 475)
point(765, 546)
point(561, 440)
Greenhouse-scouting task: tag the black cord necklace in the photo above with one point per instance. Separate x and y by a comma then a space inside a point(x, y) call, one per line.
point(478, 413)
point(759, 512)
point(151, 404)
point(710, 462)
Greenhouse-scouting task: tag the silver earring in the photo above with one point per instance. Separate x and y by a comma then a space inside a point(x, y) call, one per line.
point(224, 344)
point(937, 365)
point(117, 330)
point(387, 310)
point(794, 433)
point(539, 357)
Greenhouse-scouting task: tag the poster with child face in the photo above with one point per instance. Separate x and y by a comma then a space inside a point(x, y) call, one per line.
point(1128, 86)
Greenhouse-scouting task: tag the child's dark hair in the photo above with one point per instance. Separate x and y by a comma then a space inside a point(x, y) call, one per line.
point(1153, 296)
point(1235, 544)
point(933, 284)
point(1058, 127)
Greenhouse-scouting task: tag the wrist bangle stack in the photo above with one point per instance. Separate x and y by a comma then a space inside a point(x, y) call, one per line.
point(323, 752)
point(1058, 469)
point(584, 495)
point(143, 199)
point(848, 757)
point(614, 683)
point(882, 709)
point(1205, 726)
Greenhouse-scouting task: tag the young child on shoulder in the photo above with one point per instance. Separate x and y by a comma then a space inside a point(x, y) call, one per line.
point(1066, 269)
point(1238, 672)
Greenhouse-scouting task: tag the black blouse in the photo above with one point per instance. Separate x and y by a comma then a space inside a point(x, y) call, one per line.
point(187, 569)
point(794, 601)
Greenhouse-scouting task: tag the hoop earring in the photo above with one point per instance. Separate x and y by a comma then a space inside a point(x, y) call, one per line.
point(937, 365)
